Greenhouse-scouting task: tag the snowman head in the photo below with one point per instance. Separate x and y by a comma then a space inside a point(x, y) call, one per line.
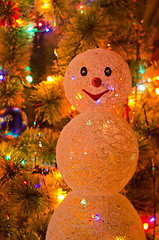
point(97, 79)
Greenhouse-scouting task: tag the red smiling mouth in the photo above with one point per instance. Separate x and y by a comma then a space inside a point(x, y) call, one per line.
point(95, 97)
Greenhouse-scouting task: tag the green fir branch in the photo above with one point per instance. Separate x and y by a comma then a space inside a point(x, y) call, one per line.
point(53, 105)
point(85, 30)
point(27, 197)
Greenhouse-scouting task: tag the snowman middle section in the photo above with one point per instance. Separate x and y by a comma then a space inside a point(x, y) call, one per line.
point(97, 153)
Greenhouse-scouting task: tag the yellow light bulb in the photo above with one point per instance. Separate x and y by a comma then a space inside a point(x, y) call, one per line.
point(157, 91)
point(149, 79)
point(50, 79)
point(60, 197)
point(145, 226)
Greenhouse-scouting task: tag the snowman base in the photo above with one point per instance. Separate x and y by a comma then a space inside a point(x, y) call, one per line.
point(109, 217)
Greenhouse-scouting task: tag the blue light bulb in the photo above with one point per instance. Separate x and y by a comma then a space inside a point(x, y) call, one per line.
point(47, 29)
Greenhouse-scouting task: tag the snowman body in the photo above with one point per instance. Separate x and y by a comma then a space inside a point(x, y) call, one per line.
point(97, 153)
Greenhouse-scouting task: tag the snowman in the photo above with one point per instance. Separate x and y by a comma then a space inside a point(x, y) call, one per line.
point(97, 153)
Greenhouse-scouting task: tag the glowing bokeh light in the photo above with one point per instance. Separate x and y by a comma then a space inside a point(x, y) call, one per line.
point(1, 77)
point(47, 29)
point(152, 219)
point(29, 29)
point(141, 88)
point(29, 78)
point(50, 79)
point(40, 24)
point(145, 226)
point(61, 197)
point(157, 91)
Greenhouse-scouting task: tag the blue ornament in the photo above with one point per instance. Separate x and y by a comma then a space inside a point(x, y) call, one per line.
point(13, 122)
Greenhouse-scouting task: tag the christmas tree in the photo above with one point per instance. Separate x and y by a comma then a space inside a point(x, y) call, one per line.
point(38, 39)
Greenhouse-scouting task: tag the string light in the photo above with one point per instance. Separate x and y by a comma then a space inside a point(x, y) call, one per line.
point(145, 226)
point(45, 5)
point(29, 78)
point(7, 157)
point(54, 25)
point(47, 29)
point(152, 219)
point(1, 77)
point(29, 29)
point(40, 24)
point(141, 88)
point(25, 182)
point(27, 68)
point(81, 9)
point(157, 91)
point(61, 197)
point(37, 186)
point(23, 162)
point(50, 79)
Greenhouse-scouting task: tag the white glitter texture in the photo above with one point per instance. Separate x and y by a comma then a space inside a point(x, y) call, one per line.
point(97, 153)
point(110, 217)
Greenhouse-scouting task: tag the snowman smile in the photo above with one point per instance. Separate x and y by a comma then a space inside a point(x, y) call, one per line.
point(95, 97)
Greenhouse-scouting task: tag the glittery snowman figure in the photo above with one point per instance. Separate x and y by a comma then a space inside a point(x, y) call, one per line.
point(97, 153)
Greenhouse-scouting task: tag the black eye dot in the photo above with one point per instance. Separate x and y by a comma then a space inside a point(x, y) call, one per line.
point(107, 71)
point(83, 71)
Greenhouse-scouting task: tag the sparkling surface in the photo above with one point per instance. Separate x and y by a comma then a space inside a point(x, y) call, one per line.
point(96, 61)
point(110, 217)
point(97, 153)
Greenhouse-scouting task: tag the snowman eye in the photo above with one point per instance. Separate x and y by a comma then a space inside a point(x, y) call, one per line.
point(83, 71)
point(107, 71)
